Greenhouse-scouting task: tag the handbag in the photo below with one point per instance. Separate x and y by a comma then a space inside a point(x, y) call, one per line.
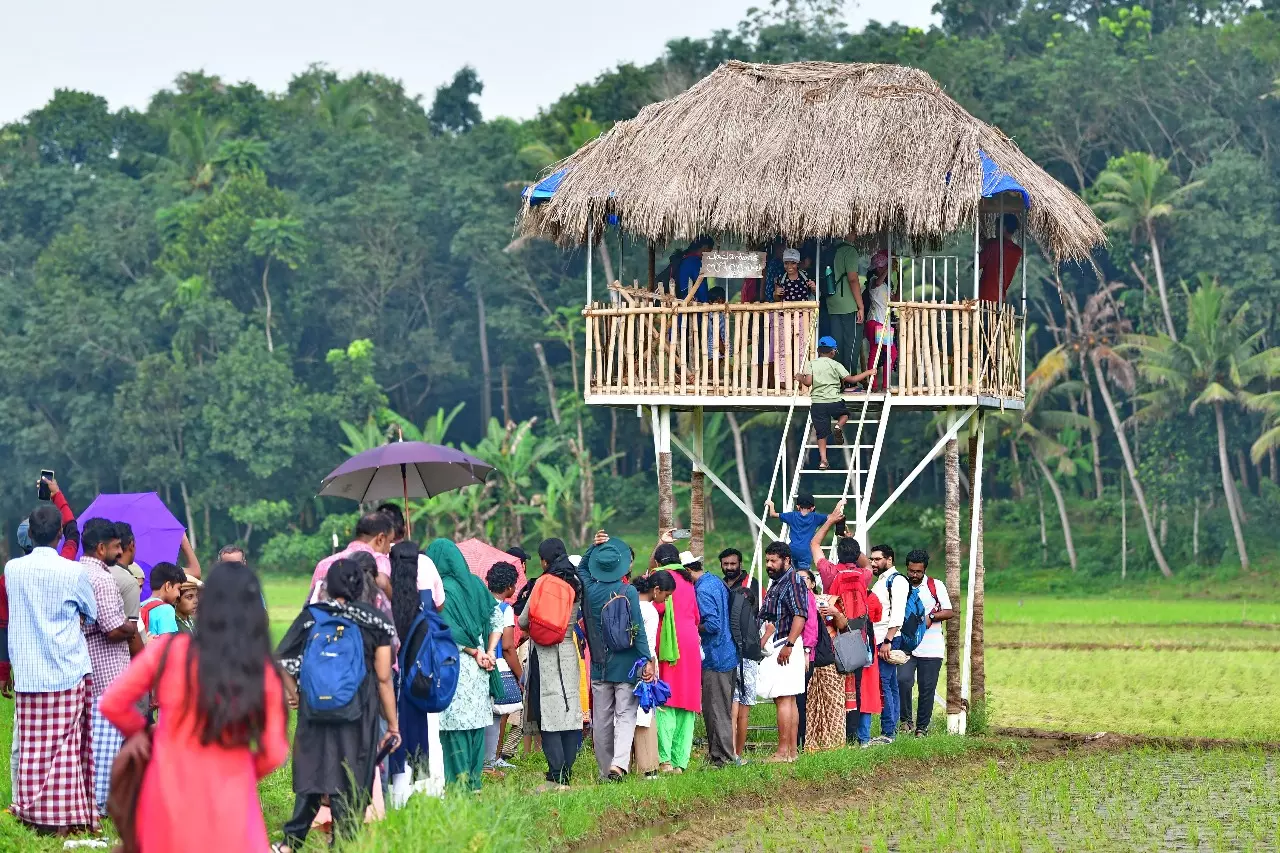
point(512, 699)
point(852, 650)
point(128, 770)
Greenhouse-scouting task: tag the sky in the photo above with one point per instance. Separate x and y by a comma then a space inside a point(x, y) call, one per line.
point(527, 52)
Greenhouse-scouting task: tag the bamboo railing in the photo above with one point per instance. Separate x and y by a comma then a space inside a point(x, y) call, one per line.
point(726, 350)
point(964, 348)
point(754, 350)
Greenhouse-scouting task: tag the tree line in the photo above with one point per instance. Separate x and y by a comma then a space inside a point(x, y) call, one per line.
point(213, 296)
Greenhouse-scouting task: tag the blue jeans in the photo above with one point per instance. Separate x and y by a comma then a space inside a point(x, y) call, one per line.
point(864, 727)
point(889, 694)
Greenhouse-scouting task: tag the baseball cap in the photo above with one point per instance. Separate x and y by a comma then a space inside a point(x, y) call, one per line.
point(24, 536)
point(826, 342)
point(519, 553)
point(687, 558)
point(791, 255)
point(805, 499)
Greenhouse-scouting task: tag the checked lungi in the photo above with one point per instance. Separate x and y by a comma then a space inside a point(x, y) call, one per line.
point(107, 741)
point(54, 777)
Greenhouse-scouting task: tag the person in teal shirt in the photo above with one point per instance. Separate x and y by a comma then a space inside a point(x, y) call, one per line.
point(614, 702)
point(157, 613)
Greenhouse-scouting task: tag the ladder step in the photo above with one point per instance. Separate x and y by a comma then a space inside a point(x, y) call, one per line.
point(842, 471)
point(836, 497)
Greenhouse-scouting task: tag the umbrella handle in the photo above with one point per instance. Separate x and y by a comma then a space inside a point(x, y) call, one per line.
point(404, 479)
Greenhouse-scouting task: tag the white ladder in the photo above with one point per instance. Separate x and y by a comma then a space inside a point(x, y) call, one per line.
point(854, 461)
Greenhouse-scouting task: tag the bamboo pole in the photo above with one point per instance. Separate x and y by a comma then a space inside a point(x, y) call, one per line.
point(684, 353)
point(736, 308)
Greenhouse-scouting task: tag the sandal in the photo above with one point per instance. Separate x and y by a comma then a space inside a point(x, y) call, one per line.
point(824, 466)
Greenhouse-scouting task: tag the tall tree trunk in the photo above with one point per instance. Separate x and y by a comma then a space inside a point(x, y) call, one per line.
point(1243, 464)
point(697, 490)
point(1228, 487)
point(1062, 508)
point(1131, 468)
point(208, 534)
point(1124, 534)
point(1095, 430)
point(1019, 488)
point(486, 379)
point(1164, 524)
point(964, 475)
point(1195, 530)
point(506, 395)
point(1044, 531)
point(191, 520)
point(1164, 293)
point(613, 442)
point(666, 493)
point(955, 627)
point(740, 458)
point(266, 297)
point(547, 377)
point(978, 654)
point(1271, 463)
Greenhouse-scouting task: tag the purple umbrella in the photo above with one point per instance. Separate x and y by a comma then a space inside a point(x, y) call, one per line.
point(155, 529)
point(408, 469)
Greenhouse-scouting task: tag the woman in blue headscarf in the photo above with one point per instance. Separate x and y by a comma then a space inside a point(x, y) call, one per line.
point(476, 622)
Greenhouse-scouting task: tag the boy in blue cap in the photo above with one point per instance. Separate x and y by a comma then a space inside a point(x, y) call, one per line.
point(826, 378)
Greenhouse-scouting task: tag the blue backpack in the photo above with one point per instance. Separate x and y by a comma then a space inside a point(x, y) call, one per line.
point(615, 624)
point(913, 621)
point(332, 669)
point(429, 661)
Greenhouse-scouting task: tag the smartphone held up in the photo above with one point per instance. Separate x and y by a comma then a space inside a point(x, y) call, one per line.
point(43, 490)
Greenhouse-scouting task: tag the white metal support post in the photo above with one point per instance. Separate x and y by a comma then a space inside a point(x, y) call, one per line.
point(975, 531)
point(590, 250)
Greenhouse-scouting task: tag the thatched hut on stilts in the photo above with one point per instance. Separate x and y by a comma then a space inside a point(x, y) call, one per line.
point(813, 152)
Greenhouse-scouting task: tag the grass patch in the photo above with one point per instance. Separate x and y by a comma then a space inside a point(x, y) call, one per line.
point(1164, 693)
point(1145, 799)
point(507, 817)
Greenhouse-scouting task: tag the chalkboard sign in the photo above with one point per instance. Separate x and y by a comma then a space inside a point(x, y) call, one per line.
point(733, 264)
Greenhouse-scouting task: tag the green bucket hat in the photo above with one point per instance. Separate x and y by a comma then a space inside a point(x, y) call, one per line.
point(610, 561)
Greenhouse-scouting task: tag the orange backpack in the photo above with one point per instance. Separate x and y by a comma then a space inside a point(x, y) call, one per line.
point(550, 607)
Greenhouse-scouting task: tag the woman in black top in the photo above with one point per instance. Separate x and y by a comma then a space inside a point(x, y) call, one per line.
point(337, 758)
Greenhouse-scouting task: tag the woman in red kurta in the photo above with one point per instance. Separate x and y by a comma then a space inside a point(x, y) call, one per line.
point(675, 720)
point(200, 791)
point(852, 583)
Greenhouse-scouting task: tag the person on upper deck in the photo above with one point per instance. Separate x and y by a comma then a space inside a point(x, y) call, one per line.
point(991, 287)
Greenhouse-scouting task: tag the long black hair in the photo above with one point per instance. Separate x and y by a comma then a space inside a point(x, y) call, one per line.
point(229, 657)
point(404, 586)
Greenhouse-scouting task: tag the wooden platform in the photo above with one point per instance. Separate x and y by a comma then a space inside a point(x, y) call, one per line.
point(745, 356)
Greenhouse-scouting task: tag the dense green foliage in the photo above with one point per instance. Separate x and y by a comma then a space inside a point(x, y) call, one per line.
point(199, 295)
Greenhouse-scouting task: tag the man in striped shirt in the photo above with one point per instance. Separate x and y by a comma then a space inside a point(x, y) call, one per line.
point(109, 639)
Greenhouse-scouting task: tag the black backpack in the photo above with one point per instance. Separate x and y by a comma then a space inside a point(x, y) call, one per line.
point(744, 624)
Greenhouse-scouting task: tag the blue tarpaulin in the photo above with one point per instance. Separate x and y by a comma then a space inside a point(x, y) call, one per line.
point(995, 181)
point(543, 189)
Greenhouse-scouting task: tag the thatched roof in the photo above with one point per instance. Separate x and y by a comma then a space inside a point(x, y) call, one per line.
point(810, 149)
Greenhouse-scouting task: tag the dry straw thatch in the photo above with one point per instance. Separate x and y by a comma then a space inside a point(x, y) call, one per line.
point(810, 149)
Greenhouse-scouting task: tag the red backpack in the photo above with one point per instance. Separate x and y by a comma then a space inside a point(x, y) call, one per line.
point(550, 607)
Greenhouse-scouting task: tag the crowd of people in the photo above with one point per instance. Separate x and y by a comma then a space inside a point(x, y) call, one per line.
point(184, 698)
point(853, 289)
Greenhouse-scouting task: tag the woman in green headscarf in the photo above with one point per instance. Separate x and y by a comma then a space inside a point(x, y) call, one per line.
point(476, 622)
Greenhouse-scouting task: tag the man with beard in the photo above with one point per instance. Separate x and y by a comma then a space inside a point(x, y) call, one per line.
point(111, 640)
point(741, 583)
point(785, 611)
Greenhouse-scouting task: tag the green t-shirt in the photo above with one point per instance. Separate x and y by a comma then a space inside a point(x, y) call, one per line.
point(846, 261)
point(828, 374)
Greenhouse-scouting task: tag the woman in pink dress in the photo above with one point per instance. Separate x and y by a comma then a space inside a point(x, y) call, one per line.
point(675, 719)
point(221, 726)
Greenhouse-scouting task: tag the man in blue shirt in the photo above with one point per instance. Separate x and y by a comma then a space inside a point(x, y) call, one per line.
point(803, 522)
point(719, 660)
point(691, 268)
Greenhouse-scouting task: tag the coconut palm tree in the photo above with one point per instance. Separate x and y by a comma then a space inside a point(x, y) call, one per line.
point(951, 481)
point(343, 107)
point(1218, 362)
point(276, 238)
point(194, 142)
point(1093, 338)
point(1037, 425)
point(1131, 195)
